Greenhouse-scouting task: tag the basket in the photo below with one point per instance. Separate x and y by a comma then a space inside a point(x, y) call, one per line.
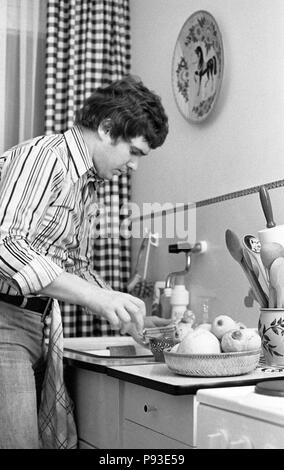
point(212, 365)
point(157, 346)
point(160, 338)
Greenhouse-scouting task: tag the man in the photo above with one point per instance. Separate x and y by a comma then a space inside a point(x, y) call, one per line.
point(48, 185)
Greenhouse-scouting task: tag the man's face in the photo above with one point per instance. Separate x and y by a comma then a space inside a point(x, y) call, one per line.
point(120, 157)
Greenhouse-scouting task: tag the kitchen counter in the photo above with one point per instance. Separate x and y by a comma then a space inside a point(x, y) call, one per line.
point(135, 402)
point(157, 376)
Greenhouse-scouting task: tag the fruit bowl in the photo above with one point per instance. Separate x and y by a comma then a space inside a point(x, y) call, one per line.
point(212, 365)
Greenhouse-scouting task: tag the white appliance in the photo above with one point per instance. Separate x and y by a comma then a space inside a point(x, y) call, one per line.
point(240, 418)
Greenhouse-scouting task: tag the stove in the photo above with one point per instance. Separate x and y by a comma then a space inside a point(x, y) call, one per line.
point(248, 417)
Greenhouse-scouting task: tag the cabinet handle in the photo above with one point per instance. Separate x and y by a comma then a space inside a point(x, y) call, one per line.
point(218, 440)
point(149, 408)
point(242, 443)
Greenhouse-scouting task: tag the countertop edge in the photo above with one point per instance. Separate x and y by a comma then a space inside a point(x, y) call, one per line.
point(153, 384)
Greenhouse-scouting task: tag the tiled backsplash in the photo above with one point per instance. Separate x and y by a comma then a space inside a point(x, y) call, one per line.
point(216, 274)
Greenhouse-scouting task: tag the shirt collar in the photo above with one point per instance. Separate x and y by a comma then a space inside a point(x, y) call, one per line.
point(80, 159)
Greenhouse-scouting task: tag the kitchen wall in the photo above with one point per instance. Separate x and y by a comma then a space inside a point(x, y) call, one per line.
point(220, 163)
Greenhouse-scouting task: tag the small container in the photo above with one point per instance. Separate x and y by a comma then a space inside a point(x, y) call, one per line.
point(179, 302)
point(165, 303)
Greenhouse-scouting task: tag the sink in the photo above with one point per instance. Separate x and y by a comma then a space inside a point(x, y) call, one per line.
point(107, 350)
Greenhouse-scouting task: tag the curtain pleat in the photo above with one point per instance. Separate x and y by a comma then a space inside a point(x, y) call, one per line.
point(88, 45)
point(22, 46)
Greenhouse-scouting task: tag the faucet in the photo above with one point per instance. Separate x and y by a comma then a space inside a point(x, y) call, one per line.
point(188, 249)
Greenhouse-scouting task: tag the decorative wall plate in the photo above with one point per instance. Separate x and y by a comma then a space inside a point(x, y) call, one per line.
point(197, 66)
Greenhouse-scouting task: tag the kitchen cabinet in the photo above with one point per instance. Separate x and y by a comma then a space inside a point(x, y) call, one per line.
point(153, 419)
point(145, 405)
point(114, 414)
point(97, 408)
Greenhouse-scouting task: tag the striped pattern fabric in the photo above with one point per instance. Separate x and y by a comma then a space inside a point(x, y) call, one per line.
point(48, 211)
point(88, 45)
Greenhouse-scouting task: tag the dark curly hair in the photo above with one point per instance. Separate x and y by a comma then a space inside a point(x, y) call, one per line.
point(129, 109)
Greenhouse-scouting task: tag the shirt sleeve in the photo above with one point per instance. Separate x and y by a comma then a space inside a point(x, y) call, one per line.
point(93, 277)
point(31, 179)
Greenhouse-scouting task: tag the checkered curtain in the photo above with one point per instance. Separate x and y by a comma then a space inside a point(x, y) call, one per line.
point(88, 45)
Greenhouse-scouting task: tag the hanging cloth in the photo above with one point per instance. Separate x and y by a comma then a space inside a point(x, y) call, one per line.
point(57, 429)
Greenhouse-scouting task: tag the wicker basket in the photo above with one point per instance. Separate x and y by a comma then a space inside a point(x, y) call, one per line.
point(212, 365)
point(157, 346)
point(160, 338)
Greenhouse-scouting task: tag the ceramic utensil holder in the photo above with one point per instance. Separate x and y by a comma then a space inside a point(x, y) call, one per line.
point(271, 331)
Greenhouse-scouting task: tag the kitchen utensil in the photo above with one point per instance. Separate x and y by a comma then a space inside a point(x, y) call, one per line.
point(253, 246)
point(252, 264)
point(250, 298)
point(258, 292)
point(138, 284)
point(269, 252)
point(277, 280)
point(273, 232)
point(168, 331)
point(136, 277)
point(266, 207)
point(212, 365)
point(235, 248)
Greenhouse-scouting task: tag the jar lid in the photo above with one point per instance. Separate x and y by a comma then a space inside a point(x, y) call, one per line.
point(271, 387)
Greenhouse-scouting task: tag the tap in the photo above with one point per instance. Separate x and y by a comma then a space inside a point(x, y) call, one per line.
point(188, 249)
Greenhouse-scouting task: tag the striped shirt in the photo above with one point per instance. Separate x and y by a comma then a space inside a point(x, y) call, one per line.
point(47, 212)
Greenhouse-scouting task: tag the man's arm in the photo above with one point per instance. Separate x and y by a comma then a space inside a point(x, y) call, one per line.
point(116, 307)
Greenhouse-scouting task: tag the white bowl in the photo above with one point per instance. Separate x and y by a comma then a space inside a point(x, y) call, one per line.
point(212, 365)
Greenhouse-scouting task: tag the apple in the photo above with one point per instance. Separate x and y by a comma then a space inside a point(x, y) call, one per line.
point(221, 325)
point(199, 341)
point(244, 339)
point(182, 329)
point(175, 348)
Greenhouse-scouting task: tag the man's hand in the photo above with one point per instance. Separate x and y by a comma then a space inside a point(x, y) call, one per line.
point(119, 308)
point(116, 307)
point(154, 321)
point(149, 322)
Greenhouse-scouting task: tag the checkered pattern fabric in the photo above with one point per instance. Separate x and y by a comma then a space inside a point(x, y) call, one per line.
point(88, 45)
point(57, 429)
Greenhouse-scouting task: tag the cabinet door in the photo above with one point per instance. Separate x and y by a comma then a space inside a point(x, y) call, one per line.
point(96, 398)
point(139, 437)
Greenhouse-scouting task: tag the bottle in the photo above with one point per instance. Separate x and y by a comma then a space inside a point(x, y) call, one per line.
point(179, 301)
point(165, 303)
